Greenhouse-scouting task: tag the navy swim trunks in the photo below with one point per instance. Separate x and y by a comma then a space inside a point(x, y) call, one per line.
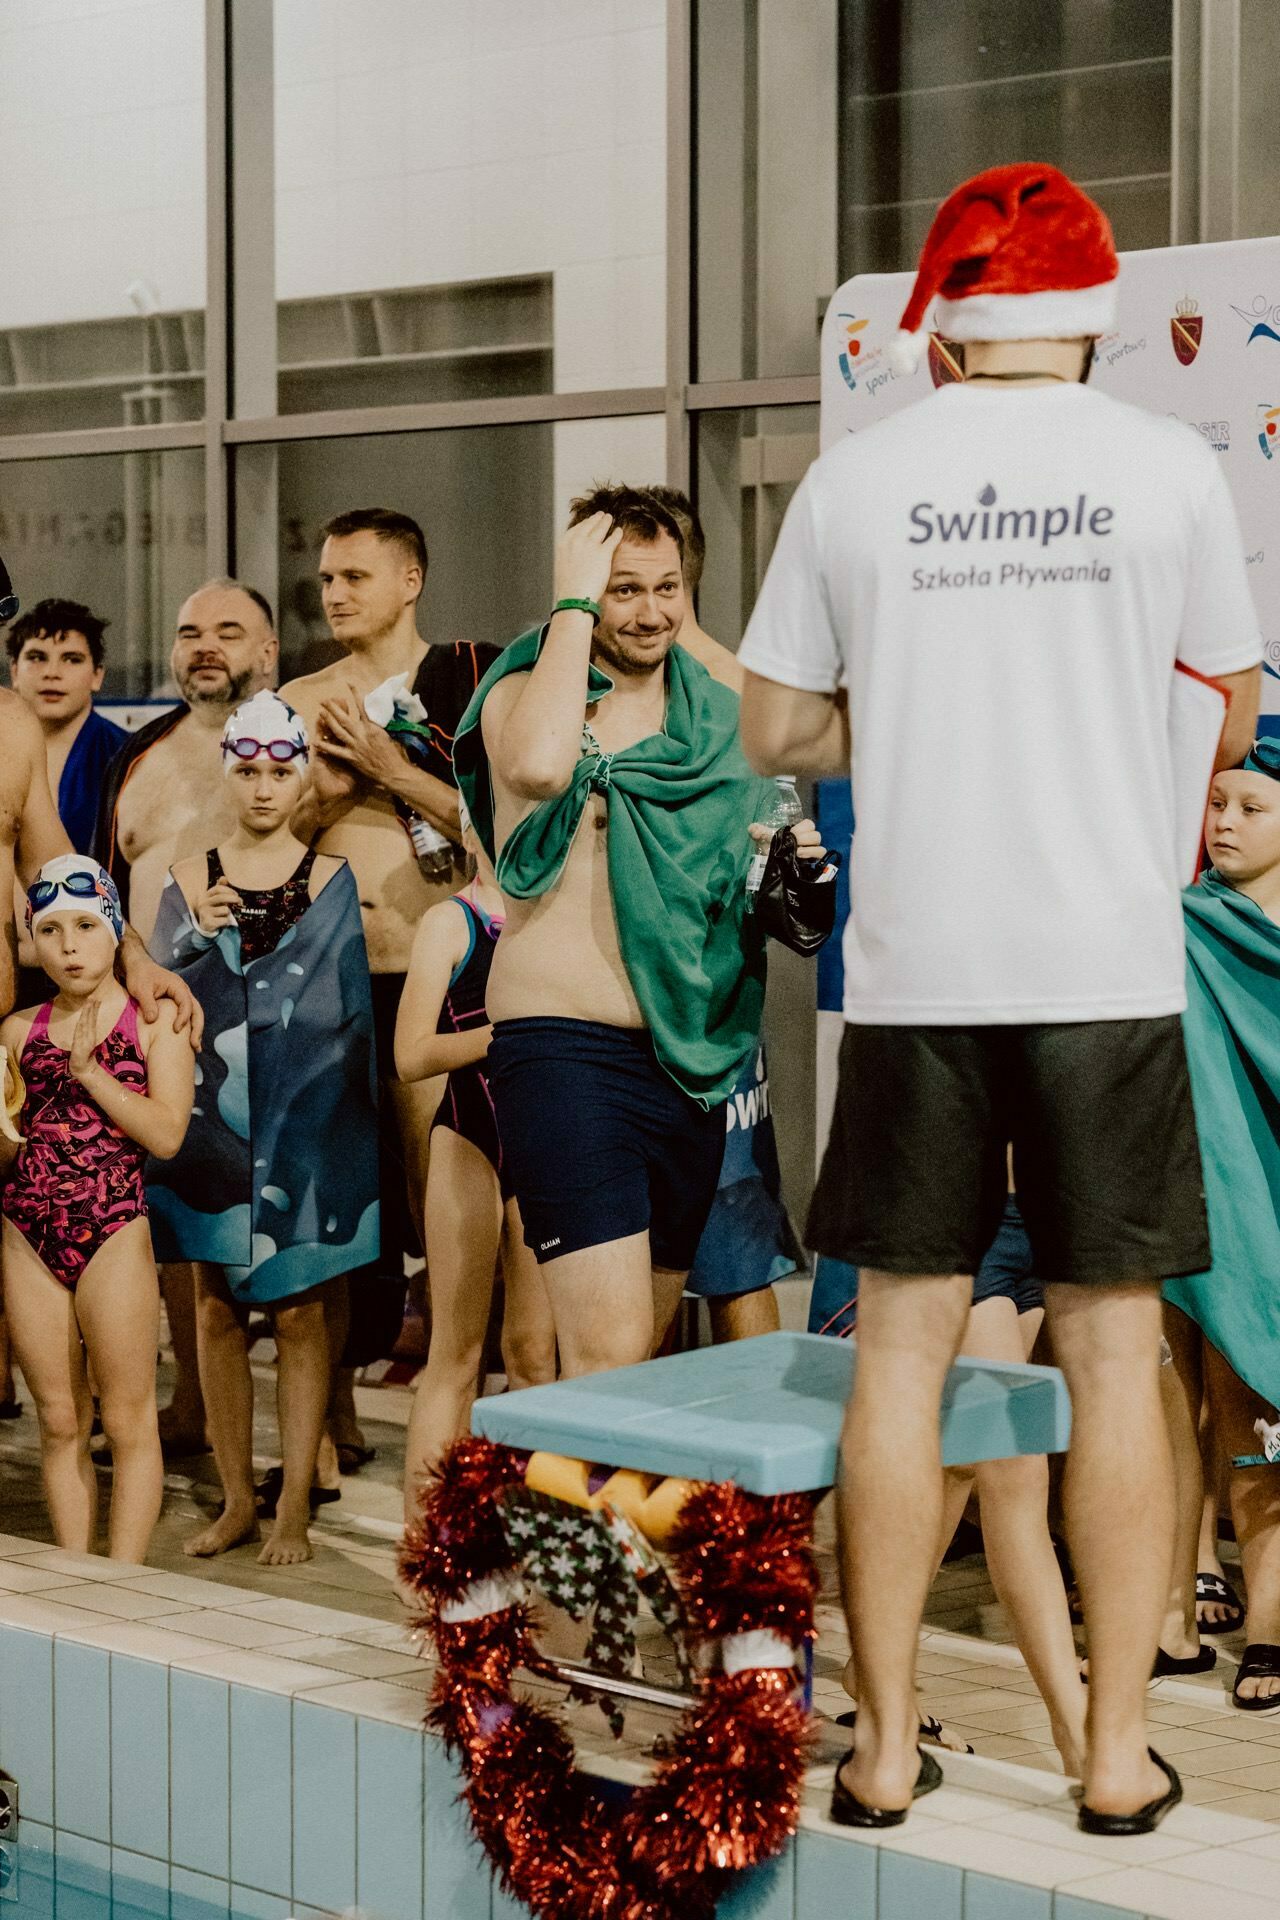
point(599, 1141)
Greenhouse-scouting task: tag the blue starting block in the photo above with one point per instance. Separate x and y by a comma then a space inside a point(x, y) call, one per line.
point(765, 1413)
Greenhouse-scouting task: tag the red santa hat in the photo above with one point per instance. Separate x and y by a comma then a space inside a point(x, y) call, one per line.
point(1016, 253)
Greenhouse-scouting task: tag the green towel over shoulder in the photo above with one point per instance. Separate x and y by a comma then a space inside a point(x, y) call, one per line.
point(679, 805)
point(1232, 1028)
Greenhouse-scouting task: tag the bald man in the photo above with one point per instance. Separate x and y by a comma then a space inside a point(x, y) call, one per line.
point(164, 798)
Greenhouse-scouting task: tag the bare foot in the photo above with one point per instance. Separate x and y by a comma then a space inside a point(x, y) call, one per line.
point(1260, 1686)
point(232, 1528)
point(885, 1787)
point(286, 1546)
point(1125, 1789)
point(1214, 1614)
point(326, 1469)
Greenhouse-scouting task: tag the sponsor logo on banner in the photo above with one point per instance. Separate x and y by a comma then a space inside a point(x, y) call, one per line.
point(851, 351)
point(1109, 348)
point(1216, 432)
point(943, 365)
point(1186, 329)
point(1262, 317)
point(1268, 428)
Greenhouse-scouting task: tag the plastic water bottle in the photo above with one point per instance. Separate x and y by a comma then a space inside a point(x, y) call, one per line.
point(784, 810)
point(433, 849)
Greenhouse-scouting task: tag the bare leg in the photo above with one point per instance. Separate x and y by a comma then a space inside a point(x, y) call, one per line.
point(6, 1361)
point(46, 1339)
point(1014, 1499)
point(1255, 1509)
point(1181, 1388)
point(745, 1316)
point(603, 1306)
point(890, 1511)
point(341, 1411)
point(118, 1307)
point(228, 1384)
point(668, 1292)
point(464, 1228)
point(1118, 1501)
point(302, 1394)
point(1216, 1472)
point(182, 1422)
point(528, 1331)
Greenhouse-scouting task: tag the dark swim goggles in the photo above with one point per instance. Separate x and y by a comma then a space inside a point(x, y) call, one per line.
point(280, 751)
point(80, 886)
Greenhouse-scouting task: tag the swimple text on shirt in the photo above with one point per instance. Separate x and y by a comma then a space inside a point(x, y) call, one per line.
point(1004, 579)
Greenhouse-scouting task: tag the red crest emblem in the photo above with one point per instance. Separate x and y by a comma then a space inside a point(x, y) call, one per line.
point(1187, 327)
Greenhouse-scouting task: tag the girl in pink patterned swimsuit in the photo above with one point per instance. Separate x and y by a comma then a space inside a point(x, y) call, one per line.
point(103, 1090)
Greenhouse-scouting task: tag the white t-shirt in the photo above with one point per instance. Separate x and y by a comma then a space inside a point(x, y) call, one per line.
point(1003, 577)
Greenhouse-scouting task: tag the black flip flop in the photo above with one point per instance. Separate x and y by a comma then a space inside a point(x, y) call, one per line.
point(930, 1731)
point(271, 1486)
point(351, 1457)
point(1168, 1667)
point(1261, 1661)
point(848, 1811)
point(1119, 1826)
point(1212, 1591)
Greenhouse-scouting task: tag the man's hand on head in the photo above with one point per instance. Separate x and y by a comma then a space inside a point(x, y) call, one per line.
point(347, 738)
point(584, 559)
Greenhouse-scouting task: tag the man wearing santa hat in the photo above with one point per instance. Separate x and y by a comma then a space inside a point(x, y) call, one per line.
point(986, 593)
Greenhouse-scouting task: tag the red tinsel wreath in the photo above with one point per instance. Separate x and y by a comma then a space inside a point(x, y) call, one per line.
point(725, 1795)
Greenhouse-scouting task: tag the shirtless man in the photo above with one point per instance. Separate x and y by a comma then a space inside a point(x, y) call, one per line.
point(363, 792)
point(717, 659)
point(165, 799)
point(612, 1053)
point(734, 1316)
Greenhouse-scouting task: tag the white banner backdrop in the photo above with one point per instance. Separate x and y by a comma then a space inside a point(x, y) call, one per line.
point(1198, 337)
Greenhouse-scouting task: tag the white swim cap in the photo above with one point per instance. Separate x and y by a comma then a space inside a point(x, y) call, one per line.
point(265, 727)
point(74, 884)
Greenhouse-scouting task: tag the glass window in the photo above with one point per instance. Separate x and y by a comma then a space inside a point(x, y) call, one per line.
point(102, 208)
point(749, 462)
point(800, 182)
point(748, 465)
point(929, 95)
point(490, 500)
point(123, 533)
point(469, 200)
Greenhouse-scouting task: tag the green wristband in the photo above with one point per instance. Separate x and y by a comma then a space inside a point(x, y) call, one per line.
point(576, 606)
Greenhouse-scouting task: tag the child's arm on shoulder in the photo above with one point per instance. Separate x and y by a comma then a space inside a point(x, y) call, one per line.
point(438, 945)
point(157, 1119)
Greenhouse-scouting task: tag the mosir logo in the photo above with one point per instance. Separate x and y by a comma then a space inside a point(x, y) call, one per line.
point(989, 521)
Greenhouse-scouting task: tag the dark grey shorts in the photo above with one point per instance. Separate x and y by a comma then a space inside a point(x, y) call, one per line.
point(1105, 1153)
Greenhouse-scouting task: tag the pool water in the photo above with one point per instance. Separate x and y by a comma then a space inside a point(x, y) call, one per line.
point(36, 1885)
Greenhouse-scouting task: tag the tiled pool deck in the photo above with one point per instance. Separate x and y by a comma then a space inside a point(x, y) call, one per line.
point(266, 1756)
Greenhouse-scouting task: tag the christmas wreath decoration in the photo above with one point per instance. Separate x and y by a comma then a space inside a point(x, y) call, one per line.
point(725, 1794)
